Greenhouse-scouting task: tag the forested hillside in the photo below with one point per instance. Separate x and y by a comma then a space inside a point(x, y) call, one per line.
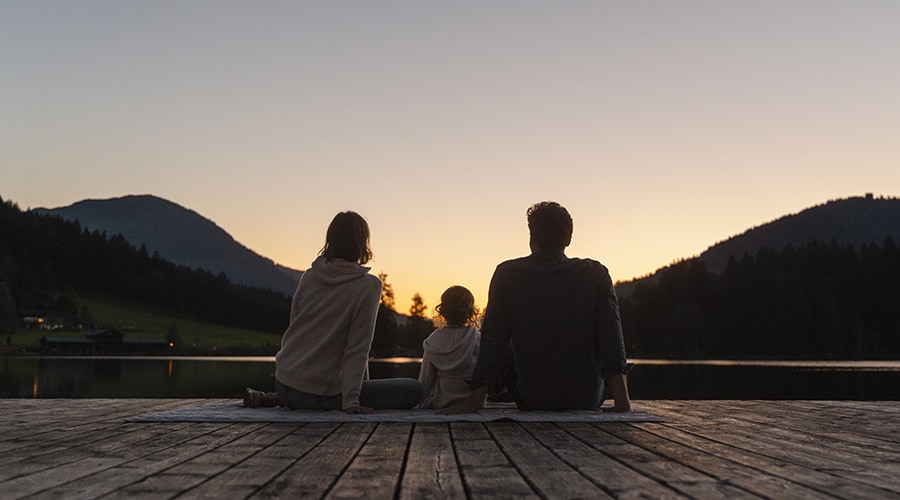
point(858, 221)
point(822, 283)
point(45, 259)
point(816, 301)
point(180, 236)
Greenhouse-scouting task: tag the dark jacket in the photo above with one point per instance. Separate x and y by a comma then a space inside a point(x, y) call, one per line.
point(562, 318)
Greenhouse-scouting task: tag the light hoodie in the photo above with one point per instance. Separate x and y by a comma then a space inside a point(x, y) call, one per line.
point(449, 358)
point(325, 349)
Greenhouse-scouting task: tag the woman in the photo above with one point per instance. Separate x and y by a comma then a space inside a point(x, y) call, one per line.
point(324, 352)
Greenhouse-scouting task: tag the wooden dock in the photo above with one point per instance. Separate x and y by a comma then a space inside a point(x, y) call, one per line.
point(83, 448)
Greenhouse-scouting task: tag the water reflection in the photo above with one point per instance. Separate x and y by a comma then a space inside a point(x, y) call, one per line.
point(225, 377)
point(138, 377)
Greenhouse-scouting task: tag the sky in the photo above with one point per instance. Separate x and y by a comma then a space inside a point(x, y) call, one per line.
point(663, 126)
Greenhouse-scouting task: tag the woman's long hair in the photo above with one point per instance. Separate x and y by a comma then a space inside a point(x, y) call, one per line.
point(347, 238)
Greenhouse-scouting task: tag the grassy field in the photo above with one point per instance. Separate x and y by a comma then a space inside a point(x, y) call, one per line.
point(142, 321)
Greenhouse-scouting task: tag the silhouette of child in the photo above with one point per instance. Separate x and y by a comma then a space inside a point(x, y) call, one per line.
point(451, 351)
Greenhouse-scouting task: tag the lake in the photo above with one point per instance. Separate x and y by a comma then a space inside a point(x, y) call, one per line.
point(225, 377)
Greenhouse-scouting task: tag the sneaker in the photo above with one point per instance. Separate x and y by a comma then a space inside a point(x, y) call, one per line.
point(253, 398)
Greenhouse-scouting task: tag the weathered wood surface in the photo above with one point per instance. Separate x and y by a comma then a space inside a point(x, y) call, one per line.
point(83, 448)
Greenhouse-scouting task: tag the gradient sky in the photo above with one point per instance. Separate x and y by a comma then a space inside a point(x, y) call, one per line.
point(664, 126)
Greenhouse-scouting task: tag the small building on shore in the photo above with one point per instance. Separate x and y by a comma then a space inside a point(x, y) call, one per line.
point(102, 342)
point(47, 319)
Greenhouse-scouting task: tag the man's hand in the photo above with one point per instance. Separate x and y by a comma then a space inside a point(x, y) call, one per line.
point(359, 410)
point(471, 405)
point(618, 408)
point(618, 387)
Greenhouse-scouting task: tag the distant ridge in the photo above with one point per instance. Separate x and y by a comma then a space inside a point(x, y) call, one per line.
point(856, 220)
point(181, 236)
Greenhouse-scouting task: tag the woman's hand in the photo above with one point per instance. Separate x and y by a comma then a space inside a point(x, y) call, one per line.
point(359, 410)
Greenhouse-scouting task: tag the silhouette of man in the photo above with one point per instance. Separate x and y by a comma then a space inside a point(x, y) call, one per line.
point(558, 317)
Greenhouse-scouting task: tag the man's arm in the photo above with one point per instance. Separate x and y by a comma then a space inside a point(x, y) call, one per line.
point(611, 345)
point(618, 387)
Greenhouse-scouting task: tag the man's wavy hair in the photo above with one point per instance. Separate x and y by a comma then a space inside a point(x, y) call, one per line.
point(347, 238)
point(550, 225)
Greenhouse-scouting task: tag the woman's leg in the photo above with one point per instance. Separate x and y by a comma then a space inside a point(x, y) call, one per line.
point(299, 400)
point(390, 393)
point(260, 399)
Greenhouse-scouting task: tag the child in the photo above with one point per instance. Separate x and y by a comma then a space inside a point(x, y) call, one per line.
point(450, 352)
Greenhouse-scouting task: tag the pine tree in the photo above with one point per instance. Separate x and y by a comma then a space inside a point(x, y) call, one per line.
point(418, 307)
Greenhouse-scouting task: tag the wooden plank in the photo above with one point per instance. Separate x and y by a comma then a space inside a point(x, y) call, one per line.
point(375, 471)
point(682, 478)
point(133, 467)
point(809, 447)
point(315, 472)
point(40, 481)
point(783, 459)
point(283, 446)
point(475, 447)
point(612, 476)
point(545, 472)
point(842, 461)
point(70, 454)
point(84, 449)
point(136, 477)
point(431, 468)
point(64, 439)
point(826, 425)
point(699, 454)
point(485, 469)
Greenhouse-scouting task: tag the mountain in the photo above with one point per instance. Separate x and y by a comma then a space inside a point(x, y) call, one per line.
point(855, 220)
point(181, 236)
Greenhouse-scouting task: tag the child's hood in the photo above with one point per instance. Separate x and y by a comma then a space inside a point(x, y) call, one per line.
point(451, 348)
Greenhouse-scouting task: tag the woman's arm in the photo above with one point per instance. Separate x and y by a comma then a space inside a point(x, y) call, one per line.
point(359, 341)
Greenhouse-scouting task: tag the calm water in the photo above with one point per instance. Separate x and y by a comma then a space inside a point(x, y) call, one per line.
point(146, 377)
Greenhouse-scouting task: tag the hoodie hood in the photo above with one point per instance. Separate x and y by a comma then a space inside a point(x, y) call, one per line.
point(452, 349)
point(335, 271)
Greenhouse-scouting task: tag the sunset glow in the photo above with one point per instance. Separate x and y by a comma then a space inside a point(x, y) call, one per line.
point(663, 127)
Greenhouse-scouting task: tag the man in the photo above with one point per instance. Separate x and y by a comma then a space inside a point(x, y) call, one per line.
point(560, 316)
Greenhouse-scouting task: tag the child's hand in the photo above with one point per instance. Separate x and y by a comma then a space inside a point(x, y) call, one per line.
point(457, 409)
point(471, 405)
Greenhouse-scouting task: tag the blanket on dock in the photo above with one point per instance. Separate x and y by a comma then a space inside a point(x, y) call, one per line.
point(234, 412)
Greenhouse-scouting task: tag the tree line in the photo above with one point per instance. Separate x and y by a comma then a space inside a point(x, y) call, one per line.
point(398, 334)
point(815, 301)
point(46, 260)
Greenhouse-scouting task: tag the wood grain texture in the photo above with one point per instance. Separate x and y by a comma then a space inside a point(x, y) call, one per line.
point(71, 448)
